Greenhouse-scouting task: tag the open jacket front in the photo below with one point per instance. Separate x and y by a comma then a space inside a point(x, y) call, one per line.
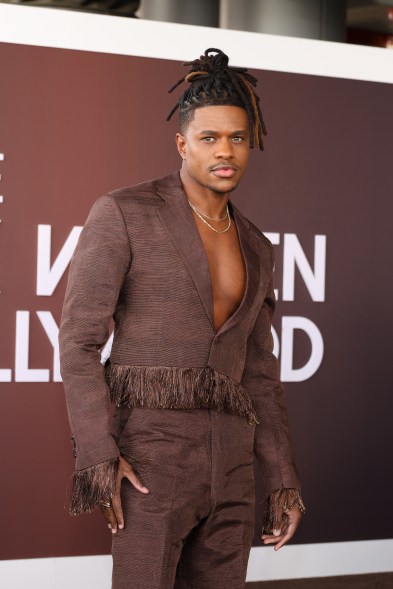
point(140, 259)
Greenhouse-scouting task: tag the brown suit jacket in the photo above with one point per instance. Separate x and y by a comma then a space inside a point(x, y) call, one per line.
point(140, 259)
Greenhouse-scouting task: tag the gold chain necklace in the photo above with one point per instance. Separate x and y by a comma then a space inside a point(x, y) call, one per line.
point(208, 224)
point(207, 216)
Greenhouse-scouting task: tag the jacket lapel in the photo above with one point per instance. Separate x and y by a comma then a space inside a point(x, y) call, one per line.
point(177, 218)
point(252, 262)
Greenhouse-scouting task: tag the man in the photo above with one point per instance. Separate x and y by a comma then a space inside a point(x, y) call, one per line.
point(188, 281)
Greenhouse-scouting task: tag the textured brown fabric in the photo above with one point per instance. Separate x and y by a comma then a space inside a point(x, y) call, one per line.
point(194, 528)
point(140, 259)
point(273, 447)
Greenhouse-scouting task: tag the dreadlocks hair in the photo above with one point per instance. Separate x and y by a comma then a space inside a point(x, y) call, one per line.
point(213, 82)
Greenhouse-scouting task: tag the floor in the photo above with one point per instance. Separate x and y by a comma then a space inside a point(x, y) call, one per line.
point(371, 581)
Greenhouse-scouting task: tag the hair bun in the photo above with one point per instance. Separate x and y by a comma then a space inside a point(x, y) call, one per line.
point(215, 62)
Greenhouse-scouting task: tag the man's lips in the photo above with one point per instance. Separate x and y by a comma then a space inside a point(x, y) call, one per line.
point(224, 171)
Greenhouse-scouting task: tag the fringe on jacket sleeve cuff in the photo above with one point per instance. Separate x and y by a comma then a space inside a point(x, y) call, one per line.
point(92, 485)
point(277, 503)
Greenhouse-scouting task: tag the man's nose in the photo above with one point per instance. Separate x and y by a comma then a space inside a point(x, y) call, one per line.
point(224, 149)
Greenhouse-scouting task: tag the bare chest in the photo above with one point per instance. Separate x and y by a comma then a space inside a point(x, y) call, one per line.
point(227, 270)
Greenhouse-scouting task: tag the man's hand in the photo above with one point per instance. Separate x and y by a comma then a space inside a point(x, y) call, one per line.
point(290, 521)
point(114, 513)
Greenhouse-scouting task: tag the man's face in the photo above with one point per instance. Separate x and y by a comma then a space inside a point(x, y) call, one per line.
point(215, 147)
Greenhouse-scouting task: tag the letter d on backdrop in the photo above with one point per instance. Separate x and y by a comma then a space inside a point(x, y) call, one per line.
point(288, 373)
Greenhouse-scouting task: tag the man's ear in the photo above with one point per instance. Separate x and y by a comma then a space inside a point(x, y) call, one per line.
point(181, 144)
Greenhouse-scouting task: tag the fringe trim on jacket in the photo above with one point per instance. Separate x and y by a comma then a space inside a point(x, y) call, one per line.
point(92, 485)
point(276, 504)
point(172, 387)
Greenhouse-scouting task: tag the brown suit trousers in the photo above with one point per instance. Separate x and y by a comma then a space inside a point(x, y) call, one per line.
point(194, 528)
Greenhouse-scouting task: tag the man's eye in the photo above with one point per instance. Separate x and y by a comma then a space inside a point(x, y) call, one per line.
point(238, 139)
point(208, 139)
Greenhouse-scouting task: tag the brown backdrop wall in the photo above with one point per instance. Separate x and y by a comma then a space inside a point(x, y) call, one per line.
point(75, 125)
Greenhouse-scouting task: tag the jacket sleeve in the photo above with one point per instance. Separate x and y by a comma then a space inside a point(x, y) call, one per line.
point(98, 267)
point(272, 444)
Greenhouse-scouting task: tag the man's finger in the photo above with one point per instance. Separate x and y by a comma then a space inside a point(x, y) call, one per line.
point(292, 524)
point(109, 515)
point(278, 540)
point(131, 476)
point(116, 503)
point(269, 539)
point(284, 526)
point(286, 535)
point(118, 511)
point(128, 472)
point(282, 542)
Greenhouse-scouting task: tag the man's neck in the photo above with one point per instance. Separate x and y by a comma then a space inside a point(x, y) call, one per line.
point(207, 201)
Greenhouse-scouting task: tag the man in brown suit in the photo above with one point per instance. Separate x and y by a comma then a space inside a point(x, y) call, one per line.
point(188, 281)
